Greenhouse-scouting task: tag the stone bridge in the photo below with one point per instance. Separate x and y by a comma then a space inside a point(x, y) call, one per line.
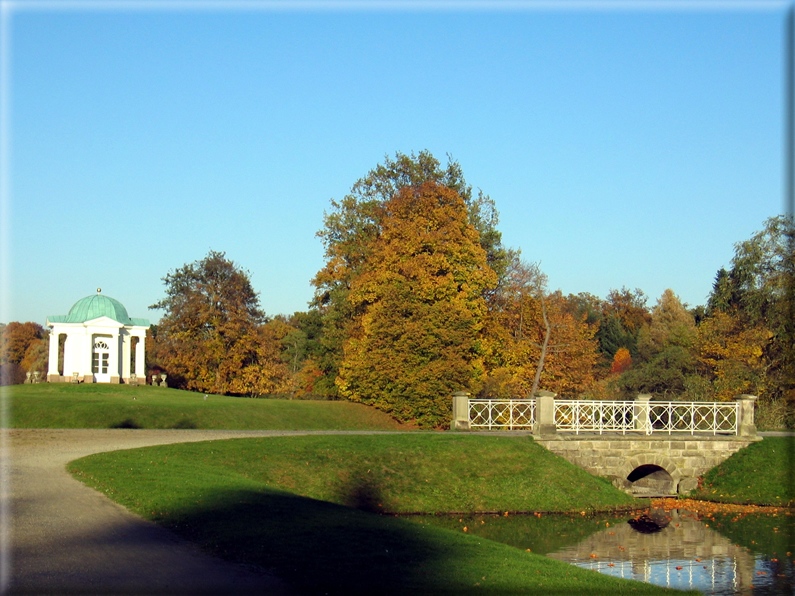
point(644, 447)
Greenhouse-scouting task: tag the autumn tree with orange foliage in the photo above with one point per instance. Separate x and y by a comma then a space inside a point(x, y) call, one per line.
point(572, 350)
point(621, 361)
point(510, 335)
point(353, 225)
point(211, 337)
point(419, 308)
point(536, 339)
point(24, 347)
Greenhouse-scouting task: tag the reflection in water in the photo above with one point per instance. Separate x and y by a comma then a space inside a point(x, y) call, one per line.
point(750, 554)
point(648, 524)
point(674, 549)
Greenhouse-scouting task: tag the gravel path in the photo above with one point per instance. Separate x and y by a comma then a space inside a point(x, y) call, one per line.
point(62, 537)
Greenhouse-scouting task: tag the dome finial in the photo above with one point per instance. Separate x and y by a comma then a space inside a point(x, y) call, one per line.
point(99, 290)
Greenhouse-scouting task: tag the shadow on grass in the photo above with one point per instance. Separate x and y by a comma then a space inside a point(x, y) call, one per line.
point(184, 423)
point(318, 547)
point(361, 491)
point(126, 423)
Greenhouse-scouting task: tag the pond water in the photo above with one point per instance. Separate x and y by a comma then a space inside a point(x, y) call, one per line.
point(723, 552)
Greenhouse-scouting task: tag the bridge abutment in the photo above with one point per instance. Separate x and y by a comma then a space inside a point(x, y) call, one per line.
point(616, 457)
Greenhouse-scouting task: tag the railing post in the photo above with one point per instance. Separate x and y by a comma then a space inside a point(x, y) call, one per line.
point(460, 411)
point(745, 415)
point(545, 414)
point(641, 413)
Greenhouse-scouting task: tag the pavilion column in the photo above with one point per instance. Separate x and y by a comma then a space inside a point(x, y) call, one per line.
point(87, 355)
point(113, 368)
point(68, 358)
point(126, 346)
point(139, 357)
point(53, 374)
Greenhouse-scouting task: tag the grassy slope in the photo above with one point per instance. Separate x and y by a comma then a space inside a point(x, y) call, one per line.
point(418, 472)
point(62, 405)
point(278, 504)
point(760, 474)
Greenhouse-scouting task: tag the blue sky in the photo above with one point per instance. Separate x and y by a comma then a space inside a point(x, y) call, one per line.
point(622, 147)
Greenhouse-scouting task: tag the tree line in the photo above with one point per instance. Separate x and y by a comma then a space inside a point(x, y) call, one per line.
point(419, 298)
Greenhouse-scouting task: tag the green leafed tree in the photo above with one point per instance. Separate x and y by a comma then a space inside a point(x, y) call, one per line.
point(666, 350)
point(624, 314)
point(419, 304)
point(758, 291)
point(211, 337)
point(671, 324)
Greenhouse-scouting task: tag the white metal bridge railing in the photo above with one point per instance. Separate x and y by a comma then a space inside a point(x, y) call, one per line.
point(623, 417)
point(693, 417)
point(502, 413)
point(594, 416)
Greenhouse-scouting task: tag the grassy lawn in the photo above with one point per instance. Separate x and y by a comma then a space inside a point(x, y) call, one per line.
point(412, 473)
point(297, 506)
point(62, 405)
point(760, 474)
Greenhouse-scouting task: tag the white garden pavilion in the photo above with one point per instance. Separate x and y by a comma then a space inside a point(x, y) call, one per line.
point(102, 343)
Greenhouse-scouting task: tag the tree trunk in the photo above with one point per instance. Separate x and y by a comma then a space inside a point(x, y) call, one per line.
point(544, 346)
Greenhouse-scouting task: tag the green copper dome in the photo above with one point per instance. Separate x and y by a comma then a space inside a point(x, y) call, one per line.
point(95, 306)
